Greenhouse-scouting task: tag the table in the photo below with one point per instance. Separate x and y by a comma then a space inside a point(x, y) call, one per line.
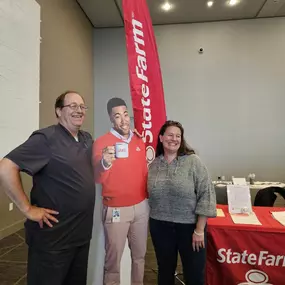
point(221, 191)
point(240, 254)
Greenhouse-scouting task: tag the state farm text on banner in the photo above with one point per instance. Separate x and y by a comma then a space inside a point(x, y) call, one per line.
point(144, 73)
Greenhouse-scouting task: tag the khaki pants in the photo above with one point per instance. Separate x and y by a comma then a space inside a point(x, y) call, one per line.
point(133, 225)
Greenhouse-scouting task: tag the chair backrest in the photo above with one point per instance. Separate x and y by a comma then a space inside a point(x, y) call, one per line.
point(280, 191)
point(266, 197)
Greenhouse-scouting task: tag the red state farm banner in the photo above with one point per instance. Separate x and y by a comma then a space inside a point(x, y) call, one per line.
point(237, 257)
point(144, 73)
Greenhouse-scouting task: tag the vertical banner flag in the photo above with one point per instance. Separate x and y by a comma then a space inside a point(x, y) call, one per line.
point(144, 73)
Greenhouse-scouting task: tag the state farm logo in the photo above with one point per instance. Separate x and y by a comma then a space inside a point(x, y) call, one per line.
point(255, 277)
point(262, 258)
point(150, 154)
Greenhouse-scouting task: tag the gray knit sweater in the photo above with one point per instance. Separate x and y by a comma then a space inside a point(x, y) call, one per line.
point(181, 190)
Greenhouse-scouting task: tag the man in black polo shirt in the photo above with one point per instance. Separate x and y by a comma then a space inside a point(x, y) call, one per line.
point(60, 211)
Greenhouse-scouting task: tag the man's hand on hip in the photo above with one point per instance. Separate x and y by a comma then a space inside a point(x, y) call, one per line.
point(41, 215)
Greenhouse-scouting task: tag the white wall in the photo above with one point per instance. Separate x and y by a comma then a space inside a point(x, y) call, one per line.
point(19, 89)
point(19, 71)
point(229, 99)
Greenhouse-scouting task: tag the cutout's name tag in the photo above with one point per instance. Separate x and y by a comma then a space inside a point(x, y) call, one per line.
point(116, 216)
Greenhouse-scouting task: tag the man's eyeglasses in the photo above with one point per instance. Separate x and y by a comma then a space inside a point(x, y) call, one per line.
point(74, 107)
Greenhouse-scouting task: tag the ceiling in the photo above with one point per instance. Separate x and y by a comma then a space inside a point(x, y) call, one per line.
point(108, 13)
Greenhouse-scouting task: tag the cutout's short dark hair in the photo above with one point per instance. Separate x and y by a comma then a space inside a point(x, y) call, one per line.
point(115, 102)
point(59, 102)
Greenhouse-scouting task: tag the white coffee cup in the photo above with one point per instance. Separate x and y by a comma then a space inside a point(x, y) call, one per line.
point(121, 150)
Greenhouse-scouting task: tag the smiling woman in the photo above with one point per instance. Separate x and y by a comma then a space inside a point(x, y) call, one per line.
point(181, 198)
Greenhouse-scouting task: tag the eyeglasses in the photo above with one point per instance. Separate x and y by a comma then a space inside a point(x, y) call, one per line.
point(74, 107)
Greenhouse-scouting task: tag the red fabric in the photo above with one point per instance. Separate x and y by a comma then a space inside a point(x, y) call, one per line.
point(125, 182)
point(235, 252)
point(144, 73)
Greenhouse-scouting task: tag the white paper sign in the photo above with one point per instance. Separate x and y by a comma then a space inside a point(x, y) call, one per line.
point(239, 199)
point(239, 181)
point(279, 216)
point(246, 219)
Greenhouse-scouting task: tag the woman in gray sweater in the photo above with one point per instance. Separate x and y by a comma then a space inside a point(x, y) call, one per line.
point(181, 198)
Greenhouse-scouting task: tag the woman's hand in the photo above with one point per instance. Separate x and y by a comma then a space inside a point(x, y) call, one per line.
point(198, 240)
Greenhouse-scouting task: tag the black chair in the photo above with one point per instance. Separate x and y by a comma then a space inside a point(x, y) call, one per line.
point(266, 197)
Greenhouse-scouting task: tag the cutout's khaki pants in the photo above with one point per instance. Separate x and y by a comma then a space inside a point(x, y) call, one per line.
point(133, 226)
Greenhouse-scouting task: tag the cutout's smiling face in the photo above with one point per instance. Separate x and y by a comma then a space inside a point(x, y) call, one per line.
point(121, 120)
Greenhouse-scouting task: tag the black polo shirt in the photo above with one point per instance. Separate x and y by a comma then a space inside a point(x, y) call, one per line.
point(62, 181)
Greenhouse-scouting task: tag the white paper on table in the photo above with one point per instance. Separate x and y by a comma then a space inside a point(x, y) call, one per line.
point(239, 181)
point(279, 216)
point(220, 213)
point(246, 219)
point(239, 199)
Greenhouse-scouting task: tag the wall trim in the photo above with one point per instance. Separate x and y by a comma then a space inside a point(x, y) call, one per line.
point(11, 229)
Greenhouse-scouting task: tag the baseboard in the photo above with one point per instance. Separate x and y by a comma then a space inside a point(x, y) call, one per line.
point(11, 229)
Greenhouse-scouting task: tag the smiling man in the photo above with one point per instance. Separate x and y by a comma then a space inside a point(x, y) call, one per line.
point(60, 211)
point(120, 166)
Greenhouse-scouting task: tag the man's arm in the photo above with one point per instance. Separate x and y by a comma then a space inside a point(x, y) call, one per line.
point(10, 182)
point(30, 157)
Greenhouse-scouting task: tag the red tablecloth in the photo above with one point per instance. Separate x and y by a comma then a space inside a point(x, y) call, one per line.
point(240, 254)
